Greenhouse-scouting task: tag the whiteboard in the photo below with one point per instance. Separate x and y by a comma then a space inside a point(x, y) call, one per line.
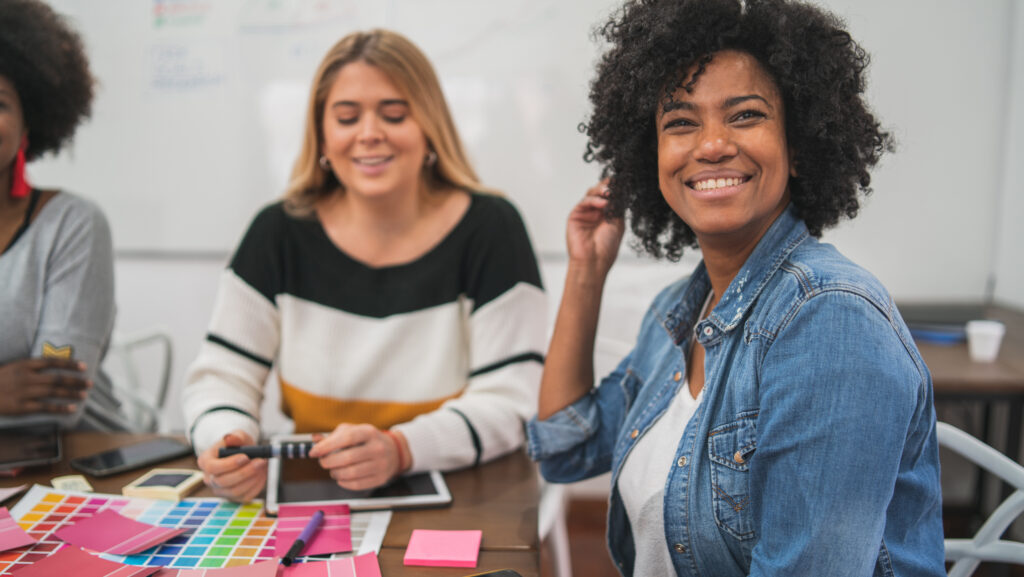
point(199, 108)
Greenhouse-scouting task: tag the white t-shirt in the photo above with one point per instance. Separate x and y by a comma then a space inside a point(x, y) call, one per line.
point(643, 478)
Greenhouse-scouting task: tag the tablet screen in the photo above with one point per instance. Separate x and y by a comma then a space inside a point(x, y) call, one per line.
point(304, 481)
point(24, 445)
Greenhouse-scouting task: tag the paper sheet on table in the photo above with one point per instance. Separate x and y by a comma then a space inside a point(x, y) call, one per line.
point(334, 536)
point(73, 561)
point(12, 535)
point(110, 532)
point(360, 566)
point(8, 492)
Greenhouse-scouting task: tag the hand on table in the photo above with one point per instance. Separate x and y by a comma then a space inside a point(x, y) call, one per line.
point(34, 386)
point(361, 456)
point(238, 477)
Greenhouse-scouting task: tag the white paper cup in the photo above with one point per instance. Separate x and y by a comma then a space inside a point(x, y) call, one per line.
point(983, 340)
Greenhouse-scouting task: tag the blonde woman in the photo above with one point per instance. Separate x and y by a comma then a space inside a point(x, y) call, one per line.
point(399, 302)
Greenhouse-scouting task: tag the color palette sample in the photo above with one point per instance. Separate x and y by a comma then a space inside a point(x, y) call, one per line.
point(12, 535)
point(110, 532)
point(443, 548)
point(217, 533)
point(71, 560)
point(333, 536)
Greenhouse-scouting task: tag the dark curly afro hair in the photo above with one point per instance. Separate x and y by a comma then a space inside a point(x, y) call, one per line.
point(816, 65)
point(44, 59)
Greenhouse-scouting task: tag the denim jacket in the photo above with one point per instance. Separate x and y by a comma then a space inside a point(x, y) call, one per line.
point(813, 452)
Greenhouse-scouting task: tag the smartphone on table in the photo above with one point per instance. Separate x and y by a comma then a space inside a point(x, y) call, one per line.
point(131, 457)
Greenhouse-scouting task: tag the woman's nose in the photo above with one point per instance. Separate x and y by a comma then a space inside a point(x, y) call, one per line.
point(370, 129)
point(715, 145)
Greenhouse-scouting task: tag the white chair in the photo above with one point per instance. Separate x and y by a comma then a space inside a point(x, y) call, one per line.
point(142, 399)
point(551, 525)
point(986, 545)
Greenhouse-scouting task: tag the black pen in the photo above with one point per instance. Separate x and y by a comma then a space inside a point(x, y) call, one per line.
point(284, 450)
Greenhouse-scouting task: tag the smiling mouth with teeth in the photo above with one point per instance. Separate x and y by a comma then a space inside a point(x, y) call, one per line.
point(713, 183)
point(373, 161)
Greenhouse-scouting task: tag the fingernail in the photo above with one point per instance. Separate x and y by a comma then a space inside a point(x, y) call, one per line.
point(81, 366)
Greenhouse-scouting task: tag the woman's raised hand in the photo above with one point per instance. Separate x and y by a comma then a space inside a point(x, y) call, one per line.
point(592, 239)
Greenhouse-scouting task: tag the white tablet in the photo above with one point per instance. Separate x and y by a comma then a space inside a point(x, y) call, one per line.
point(303, 481)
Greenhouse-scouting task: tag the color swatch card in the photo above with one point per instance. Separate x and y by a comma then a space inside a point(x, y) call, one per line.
point(443, 548)
point(334, 536)
point(359, 566)
point(71, 560)
point(12, 535)
point(109, 532)
point(261, 569)
point(216, 533)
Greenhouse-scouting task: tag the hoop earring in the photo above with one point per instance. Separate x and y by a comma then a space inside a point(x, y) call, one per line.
point(325, 164)
point(430, 159)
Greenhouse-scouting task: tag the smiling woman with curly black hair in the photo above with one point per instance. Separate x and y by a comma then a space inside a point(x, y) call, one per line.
point(774, 416)
point(56, 259)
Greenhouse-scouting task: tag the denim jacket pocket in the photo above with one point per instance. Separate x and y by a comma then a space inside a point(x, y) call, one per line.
point(730, 448)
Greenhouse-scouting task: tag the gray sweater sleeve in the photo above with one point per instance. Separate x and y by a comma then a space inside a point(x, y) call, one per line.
point(67, 260)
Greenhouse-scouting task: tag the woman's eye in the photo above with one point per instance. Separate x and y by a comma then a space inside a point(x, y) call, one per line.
point(749, 115)
point(678, 123)
point(348, 121)
point(393, 118)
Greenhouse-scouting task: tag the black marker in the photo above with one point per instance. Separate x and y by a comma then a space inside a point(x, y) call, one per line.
point(284, 450)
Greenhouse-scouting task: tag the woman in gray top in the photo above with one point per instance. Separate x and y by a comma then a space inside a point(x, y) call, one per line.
point(56, 265)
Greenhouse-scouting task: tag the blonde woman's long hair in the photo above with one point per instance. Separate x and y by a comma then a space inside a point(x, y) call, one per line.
point(406, 66)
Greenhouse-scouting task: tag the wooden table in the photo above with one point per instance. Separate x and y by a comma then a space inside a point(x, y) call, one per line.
point(499, 497)
point(956, 378)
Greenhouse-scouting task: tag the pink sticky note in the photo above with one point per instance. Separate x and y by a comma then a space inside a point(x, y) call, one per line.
point(334, 536)
point(74, 561)
point(261, 569)
point(361, 566)
point(12, 535)
point(443, 548)
point(111, 532)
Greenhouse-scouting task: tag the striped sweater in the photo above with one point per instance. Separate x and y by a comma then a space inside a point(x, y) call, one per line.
point(446, 349)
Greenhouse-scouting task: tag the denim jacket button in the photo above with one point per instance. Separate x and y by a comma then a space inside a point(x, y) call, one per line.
point(679, 548)
point(681, 462)
point(677, 376)
point(738, 457)
point(708, 331)
point(634, 433)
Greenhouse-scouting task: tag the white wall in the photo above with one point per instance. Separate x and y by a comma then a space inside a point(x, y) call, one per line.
point(1009, 269)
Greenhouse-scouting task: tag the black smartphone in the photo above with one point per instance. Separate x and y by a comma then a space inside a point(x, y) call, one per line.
point(25, 445)
point(131, 457)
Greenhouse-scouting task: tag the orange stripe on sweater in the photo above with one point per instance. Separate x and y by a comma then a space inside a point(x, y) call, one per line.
point(313, 413)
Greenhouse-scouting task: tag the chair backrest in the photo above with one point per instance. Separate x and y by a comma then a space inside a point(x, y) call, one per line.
point(986, 545)
point(142, 398)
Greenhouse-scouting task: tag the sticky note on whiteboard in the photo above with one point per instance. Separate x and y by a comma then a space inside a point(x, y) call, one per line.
point(443, 548)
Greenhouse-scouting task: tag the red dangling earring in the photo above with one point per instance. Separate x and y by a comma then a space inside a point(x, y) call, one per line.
point(19, 184)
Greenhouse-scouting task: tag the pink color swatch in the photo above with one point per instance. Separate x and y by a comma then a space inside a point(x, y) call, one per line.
point(261, 569)
point(361, 566)
point(443, 548)
point(334, 536)
point(111, 532)
point(12, 535)
point(74, 561)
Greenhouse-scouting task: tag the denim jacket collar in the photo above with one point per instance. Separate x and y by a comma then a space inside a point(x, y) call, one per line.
point(782, 237)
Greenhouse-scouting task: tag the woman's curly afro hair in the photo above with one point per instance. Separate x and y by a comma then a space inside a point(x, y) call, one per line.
point(816, 65)
point(44, 59)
